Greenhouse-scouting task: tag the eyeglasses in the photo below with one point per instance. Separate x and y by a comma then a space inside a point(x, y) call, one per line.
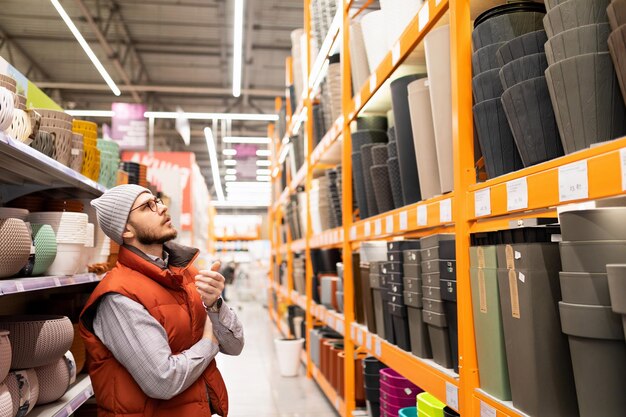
point(152, 205)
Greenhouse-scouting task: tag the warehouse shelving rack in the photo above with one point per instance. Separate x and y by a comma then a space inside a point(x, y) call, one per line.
point(599, 172)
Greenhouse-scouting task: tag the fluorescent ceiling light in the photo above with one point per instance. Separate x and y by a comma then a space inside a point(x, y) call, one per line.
point(247, 185)
point(239, 139)
point(263, 172)
point(263, 178)
point(215, 169)
point(230, 178)
point(236, 204)
point(94, 59)
point(230, 162)
point(231, 171)
point(237, 47)
point(263, 163)
point(263, 152)
point(229, 152)
point(211, 116)
point(91, 113)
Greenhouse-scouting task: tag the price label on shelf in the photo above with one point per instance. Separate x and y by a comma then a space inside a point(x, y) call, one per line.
point(19, 286)
point(622, 158)
point(423, 17)
point(57, 282)
point(422, 216)
point(353, 332)
point(517, 194)
point(404, 220)
point(389, 224)
point(368, 342)
point(359, 338)
point(340, 327)
point(368, 229)
point(69, 410)
point(452, 396)
point(486, 410)
point(357, 102)
point(353, 233)
point(373, 83)
point(337, 403)
point(573, 181)
point(437, 2)
point(482, 202)
point(445, 210)
point(379, 347)
point(396, 51)
point(378, 227)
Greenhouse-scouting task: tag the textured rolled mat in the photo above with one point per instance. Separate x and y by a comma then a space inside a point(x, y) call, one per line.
point(380, 155)
point(495, 137)
point(506, 22)
point(573, 14)
point(616, 12)
point(522, 69)
point(578, 41)
point(586, 112)
point(529, 111)
point(366, 164)
point(359, 185)
point(617, 47)
point(527, 44)
point(485, 58)
point(382, 187)
point(363, 137)
point(372, 123)
point(404, 138)
point(487, 86)
point(395, 181)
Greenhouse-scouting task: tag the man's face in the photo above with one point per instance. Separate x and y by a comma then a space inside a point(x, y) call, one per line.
point(150, 222)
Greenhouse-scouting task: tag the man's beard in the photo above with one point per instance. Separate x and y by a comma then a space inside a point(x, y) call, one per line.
point(149, 237)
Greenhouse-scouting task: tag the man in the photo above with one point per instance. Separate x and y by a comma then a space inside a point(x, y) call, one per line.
point(154, 325)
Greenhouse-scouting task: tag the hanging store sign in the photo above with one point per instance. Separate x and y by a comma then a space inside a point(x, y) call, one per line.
point(129, 128)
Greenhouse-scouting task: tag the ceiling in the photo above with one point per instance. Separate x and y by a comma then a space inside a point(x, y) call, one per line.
point(164, 53)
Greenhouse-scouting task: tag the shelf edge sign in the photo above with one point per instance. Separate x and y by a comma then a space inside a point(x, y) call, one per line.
point(129, 128)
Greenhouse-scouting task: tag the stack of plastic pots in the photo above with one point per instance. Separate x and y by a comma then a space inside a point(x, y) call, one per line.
point(396, 392)
point(412, 279)
point(491, 29)
point(591, 240)
point(371, 255)
point(429, 406)
point(393, 166)
point(592, 110)
point(616, 12)
point(371, 376)
point(526, 99)
point(541, 378)
point(492, 365)
point(379, 172)
point(438, 255)
point(362, 182)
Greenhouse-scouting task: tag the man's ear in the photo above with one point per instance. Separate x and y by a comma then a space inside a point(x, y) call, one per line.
point(129, 233)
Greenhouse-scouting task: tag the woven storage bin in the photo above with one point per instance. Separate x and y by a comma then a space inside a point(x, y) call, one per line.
point(15, 243)
point(45, 247)
point(45, 143)
point(55, 379)
point(54, 114)
point(6, 402)
point(62, 143)
point(20, 127)
point(24, 389)
point(6, 108)
point(37, 340)
point(5, 354)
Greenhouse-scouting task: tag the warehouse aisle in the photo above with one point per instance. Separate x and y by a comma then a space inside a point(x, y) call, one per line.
point(254, 383)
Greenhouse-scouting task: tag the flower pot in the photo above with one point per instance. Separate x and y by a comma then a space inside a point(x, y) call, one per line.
point(375, 38)
point(487, 86)
point(404, 138)
point(578, 41)
point(372, 123)
point(380, 155)
point(523, 69)
point(506, 22)
point(593, 224)
point(15, 246)
point(395, 181)
point(359, 185)
point(486, 58)
point(575, 13)
point(495, 138)
point(529, 111)
point(585, 288)
point(366, 164)
point(55, 378)
point(382, 187)
point(617, 288)
point(288, 353)
point(587, 102)
point(526, 44)
point(591, 256)
point(424, 138)
point(617, 47)
point(616, 12)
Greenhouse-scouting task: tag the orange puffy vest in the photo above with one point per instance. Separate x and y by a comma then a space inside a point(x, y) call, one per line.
point(171, 298)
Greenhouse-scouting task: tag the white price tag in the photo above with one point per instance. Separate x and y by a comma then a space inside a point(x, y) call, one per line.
point(368, 229)
point(57, 282)
point(340, 327)
point(487, 410)
point(437, 2)
point(69, 410)
point(404, 220)
point(422, 216)
point(353, 332)
point(517, 194)
point(368, 342)
point(452, 396)
point(19, 286)
point(482, 202)
point(573, 181)
point(359, 338)
point(395, 53)
point(622, 157)
point(353, 233)
point(445, 211)
point(389, 224)
point(423, 17)
point(357, 102)
point(379, 347)
point(378, 227)
point(373, 83)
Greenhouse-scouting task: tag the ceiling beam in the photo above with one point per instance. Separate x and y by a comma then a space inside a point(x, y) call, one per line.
point(9, 39)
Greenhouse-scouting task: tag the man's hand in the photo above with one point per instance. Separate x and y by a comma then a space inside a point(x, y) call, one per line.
point(210, 284)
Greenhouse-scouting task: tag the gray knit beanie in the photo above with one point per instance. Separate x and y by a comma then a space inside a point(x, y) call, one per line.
point(113, 208)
